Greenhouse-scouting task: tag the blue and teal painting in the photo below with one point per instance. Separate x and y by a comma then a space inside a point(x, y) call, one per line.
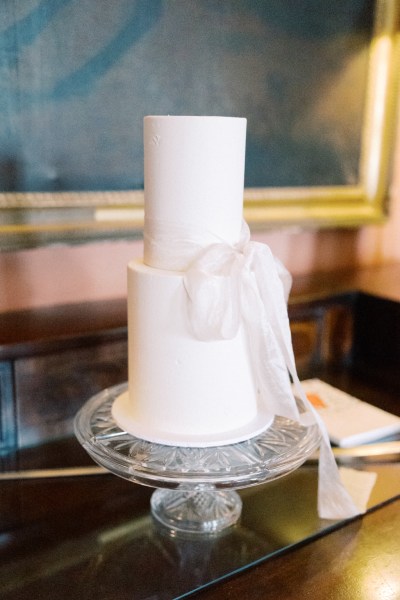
point(78, 76)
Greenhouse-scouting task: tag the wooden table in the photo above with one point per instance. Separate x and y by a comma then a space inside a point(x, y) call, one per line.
point(93, 537)
point(359, 561)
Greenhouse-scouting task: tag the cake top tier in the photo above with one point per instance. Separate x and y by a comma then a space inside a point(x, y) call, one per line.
point(194, 179)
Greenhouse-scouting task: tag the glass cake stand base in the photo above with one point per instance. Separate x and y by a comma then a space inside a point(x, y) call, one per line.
point(203, 509)
point(195, 486)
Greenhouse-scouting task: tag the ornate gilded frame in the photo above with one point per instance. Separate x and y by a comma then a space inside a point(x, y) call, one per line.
point(35, 219)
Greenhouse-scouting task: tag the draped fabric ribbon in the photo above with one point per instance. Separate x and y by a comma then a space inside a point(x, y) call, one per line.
point(230, 285)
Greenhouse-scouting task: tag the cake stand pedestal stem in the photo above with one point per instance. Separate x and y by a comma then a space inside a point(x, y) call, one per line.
point(199, 509)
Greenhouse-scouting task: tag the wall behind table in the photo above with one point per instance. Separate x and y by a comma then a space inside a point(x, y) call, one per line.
point(62, 274)
point(59, 275)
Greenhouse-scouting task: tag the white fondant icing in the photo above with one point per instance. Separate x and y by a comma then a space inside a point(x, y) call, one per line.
point(177, 383)
point(183, 390)
point(122, 414)
point(194, 179)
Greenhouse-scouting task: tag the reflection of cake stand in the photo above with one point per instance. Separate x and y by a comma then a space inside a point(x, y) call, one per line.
point(195, 485)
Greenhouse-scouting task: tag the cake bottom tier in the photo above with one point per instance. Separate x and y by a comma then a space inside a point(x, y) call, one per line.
point(183, 390)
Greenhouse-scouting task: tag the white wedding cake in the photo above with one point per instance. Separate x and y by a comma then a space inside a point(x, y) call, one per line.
point(184, 390)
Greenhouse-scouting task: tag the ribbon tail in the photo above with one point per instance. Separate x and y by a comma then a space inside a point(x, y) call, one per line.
point(334, 501)
point(270, 371)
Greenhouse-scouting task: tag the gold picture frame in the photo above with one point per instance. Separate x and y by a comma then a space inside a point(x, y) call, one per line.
point(31, 219)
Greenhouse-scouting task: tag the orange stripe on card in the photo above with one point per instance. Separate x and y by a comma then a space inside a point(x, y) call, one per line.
point(316, 400)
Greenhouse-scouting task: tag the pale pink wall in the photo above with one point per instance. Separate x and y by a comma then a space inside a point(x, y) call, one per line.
point(64, 274)
point(60, 274)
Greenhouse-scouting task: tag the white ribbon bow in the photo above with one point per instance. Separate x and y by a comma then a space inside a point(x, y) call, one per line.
point(228, 285)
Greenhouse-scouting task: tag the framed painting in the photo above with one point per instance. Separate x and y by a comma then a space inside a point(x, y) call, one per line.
point(317, 83)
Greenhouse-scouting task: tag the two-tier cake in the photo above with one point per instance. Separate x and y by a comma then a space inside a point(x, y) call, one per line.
point(210, 348)
point(184, 390)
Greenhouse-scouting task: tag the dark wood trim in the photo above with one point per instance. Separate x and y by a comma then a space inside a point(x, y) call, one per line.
point(43, 330)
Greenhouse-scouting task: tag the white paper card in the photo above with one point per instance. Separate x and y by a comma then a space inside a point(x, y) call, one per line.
point(349, 421)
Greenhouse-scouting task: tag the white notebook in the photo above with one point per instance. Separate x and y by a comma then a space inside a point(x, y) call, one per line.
point(349, 421)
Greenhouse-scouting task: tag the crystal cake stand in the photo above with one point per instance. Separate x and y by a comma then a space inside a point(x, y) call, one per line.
point(195, 486)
